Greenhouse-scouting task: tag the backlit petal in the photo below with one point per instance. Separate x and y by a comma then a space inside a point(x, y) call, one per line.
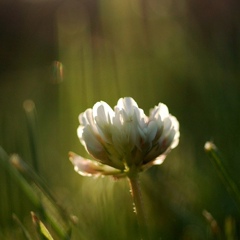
point(87, 167)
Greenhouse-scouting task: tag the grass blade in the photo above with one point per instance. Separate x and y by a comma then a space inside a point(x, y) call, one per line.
point(24, 230)
point(217, 161)
point(42, 230)
point(31, 115)
point(41, 199)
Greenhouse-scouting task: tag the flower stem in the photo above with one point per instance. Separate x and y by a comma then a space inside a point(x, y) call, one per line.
point(138, 205)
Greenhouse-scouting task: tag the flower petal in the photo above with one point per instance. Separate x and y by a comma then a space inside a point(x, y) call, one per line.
point(157, 161)
point(127, 104)
point(93, 144)
point(152, 129)
point(86, 118)
point(86, 167)
point(159, 111)
point(168, 140)
point(103, 114)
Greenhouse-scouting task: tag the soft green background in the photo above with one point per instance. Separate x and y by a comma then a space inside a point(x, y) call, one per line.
point(182, 53)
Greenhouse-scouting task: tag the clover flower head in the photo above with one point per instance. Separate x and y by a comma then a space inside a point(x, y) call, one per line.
point(124, 140)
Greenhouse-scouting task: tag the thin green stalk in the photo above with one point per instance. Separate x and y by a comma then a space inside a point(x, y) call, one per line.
point(4, 161)
point(138, 205)
point(24, 230)
point(216, 159)
point(41, 229)
point(33, 195)
point(30, 110)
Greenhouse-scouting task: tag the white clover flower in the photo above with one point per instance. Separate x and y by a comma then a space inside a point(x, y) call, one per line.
point(124, 140)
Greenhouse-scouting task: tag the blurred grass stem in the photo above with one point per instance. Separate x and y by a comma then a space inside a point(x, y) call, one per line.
point(24, 230)
point(217, 161)
point(4, 160)
point(138, 205)
point(30, 111)
point(33, 195)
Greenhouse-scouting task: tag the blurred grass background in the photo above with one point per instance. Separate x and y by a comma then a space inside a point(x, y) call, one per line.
point(182, 53)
